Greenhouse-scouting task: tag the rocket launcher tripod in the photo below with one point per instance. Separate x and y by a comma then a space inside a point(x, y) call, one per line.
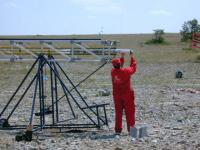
point(58, 117)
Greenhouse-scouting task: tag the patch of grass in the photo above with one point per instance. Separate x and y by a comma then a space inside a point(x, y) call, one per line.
point(187, 49)
point(171, 50)
point(154, 41)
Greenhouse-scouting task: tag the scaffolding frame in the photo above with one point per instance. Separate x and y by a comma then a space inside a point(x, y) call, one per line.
point(91, 112)
point(75, 46)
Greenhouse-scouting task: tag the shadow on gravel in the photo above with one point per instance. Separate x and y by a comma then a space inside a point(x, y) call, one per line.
point(81, 134)
point(103, 137)
point(76, 131)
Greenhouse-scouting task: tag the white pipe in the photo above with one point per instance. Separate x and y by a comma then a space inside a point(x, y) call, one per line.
point(122, 50)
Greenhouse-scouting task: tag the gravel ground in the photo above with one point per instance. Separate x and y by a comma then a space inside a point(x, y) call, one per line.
point(169, 108)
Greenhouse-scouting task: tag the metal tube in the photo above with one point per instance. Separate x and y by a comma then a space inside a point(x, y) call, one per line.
point(33, 103)
point(42, 90)
point(65, 92)
point(52, 95)
point(70, 93)
point(106, 120)
point(82, 80)
point(40, 96)
point(77, 90)
point(21, 97)
point(19, 86)
point(56, 97)
point(98, 116)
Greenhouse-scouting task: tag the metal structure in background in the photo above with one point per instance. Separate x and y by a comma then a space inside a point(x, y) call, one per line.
point(195, 42)
point(74, 101)
point(68, 49)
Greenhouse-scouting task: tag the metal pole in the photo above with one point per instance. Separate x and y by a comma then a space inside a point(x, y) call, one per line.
point(77, 91)
point(106, 120)
point(42, 90)
point(82, 81)
point(21, 97)
point(52, 94)
point(65, 92)
point(19, 86)
point(34, 97)
point(56, 95)
point(70, 93)
point(40, 97)
point(98, 116)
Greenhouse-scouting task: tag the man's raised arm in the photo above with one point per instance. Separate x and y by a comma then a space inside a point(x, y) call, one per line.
point(122, 60)
point(133, 63)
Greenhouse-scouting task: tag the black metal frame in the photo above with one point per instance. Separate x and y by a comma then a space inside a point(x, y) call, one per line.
point(55, 78)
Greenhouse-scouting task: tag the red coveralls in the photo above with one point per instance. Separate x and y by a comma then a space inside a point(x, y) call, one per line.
point(123, 94)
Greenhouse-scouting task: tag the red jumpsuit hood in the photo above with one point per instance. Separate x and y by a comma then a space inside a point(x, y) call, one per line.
point(116, 61)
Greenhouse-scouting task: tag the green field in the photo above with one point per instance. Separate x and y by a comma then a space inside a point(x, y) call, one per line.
point(173, 51)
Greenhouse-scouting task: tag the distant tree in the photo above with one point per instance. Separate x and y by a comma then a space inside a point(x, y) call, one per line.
point(188, 28)
point(157, 37)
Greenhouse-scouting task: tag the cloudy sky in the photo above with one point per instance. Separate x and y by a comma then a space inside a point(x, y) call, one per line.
point(59, 17)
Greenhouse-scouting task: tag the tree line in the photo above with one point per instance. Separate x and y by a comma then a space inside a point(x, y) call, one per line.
point(188, 29)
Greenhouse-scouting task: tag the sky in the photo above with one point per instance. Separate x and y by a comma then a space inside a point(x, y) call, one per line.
point(66, 17)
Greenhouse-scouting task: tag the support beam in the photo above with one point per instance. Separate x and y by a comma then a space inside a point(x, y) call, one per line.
point(2, 53)
point(38, 40)
point(13, 56)
point(88, 51)
point(110, 46)
point(24, 49)
point(37, 43)
point(56, 50)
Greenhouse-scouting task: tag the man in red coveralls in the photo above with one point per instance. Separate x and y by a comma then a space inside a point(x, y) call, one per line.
point(123, 94)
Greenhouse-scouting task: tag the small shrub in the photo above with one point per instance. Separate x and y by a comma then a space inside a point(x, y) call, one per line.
point(157, 39)
point(153, 41)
